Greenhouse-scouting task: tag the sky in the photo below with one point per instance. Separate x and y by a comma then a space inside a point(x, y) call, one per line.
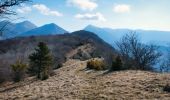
point(76, 14)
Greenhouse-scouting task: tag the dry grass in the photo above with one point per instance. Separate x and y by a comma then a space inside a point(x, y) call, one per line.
point(73, 82)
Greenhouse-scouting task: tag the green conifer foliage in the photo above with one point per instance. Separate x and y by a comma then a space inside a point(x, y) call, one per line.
point(41, 61)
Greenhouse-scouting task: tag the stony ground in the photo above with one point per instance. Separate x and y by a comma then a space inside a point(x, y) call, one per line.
point(74, 82)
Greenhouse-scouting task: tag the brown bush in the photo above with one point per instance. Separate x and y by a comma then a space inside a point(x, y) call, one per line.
point(96, 64)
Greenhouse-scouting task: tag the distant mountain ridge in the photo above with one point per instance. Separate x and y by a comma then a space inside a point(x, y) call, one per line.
point(107, 34)
point(111, 35)
point(10, 30)
point(26, 28)
point(48, 29)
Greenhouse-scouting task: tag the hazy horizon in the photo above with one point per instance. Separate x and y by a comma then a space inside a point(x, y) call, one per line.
point(77, 14)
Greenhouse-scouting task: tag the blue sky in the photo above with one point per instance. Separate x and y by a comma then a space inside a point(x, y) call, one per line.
point(76, 14)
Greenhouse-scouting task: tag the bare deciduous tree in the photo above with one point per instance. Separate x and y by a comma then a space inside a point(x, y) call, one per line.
point(135, 54)
point(2, 28)
point(5, 10)
point(5, 6)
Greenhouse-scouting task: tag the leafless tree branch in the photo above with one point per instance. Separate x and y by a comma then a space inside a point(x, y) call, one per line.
point(137, 55)
point(5, 6)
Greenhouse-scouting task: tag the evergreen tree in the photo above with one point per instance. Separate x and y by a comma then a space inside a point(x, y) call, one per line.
point(41, 61)
point(117, 64)
point(18, 69)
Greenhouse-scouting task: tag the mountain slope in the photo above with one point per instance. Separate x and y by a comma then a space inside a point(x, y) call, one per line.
point(5, 28)
point(147, 36)
point(72, 82)
point(11, 30)
point(49, 29)
point(108, 35)
point(25, 26)
point(60, 45)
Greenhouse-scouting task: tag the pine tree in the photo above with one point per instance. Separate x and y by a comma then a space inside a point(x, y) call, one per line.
point(41, 61)
point(18, 69)
point(117, 64)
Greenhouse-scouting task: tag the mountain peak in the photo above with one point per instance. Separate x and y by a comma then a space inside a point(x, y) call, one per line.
point(5, 21)
point(90, 26)
point(51, 25)
point(48, 29)
point(25, 22)
point(54, 27)
point(14, 29)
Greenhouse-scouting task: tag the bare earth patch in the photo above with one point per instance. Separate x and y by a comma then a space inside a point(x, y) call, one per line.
point(73, 81)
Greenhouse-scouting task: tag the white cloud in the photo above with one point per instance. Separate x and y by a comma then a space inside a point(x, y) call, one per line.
point(88, 16)
point(46, 11)
point(24, 10)
point(121, 8)
point(83, 4)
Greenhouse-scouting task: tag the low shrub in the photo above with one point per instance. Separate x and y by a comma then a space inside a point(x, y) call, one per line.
point(117, 64)
point(2, 77)
point(60, 65)
point(166, 88)
point(96, 64)
point(19, 70)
